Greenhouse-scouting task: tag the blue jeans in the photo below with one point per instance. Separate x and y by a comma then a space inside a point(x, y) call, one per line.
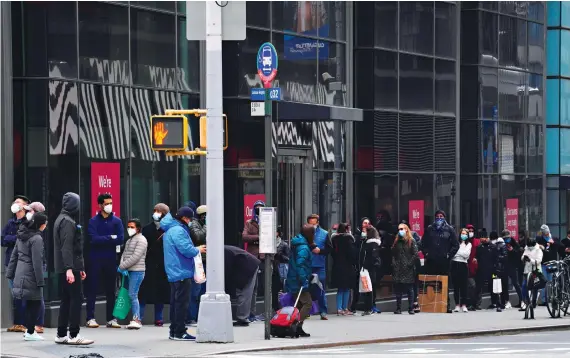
point(158, 308)
point(548, 277)
point(18, 307)
point(322, 273)
point(197, 290)
point(525, 292)
point(135, 281)
point(342, 298)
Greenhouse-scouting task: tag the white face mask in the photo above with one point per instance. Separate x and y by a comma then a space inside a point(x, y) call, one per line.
point(156, 216)
point(132, 232)
point(471, 235)
point(15, 208)
point(108, 208)
point(493, 241)
point(29, 216)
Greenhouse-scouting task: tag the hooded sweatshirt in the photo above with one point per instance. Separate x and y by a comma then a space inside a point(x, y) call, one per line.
point(250, 234)
point(67, 237)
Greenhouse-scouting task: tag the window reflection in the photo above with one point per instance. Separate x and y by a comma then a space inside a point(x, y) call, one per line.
point(445, 29)
point(310, 18)
point(513, 94)
point(331, 86)
point(188, 71)
point(535, 47)
point(445, 140)
point(535, 98)
point(489, 38)
point(330, 198)
point(445, 87)
point(385, 79)
point(385, 24)
point(512, 42)
point(480, 201)
point(513, 141)
point(329, 144)
point(375, 193)
point(478, 146)
point(416, 26)
point(416, 83)
point(416, 187)
point(445, 185)
point(489, 81)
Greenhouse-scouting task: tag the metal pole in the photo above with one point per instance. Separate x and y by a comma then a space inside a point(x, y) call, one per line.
point(268, 272)
point(215, 316)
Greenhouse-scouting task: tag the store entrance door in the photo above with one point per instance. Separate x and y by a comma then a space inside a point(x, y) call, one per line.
point(293, 190)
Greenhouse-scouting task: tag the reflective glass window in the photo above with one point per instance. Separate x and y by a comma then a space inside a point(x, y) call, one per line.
point(385, 139)
point(565, 53)
point(445, 144)
point(445, 29)
point(536, 10)
point(513, 94)
point(565, 102)
point(553, 52)
point(257, 13)
point(385, 79)
point(553, 151)
point(416, 142)
point(489, 38)
point(445, 87)
point(331, 74)
point(416, 27)
point(386, 24)
point(188, 70)
point(470, 93)
point(553, 12)
point(160, 5)
point(416, 83)
point(536, 98)
point(478, 143)
point(490, 92)
point(511, 147)
point(553, 103)
point(535, 47)
point(416, 187)
point(514, 8)
point(512, 42)
point(564, 151)
point(535, 148)
point(565, 14)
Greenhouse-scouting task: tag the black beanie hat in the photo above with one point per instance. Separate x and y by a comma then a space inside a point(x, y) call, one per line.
point(440, 212)
point(493, 235)
point(38, 220)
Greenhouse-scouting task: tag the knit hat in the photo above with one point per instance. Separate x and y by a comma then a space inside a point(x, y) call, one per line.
point(440, 212)
point(23, 197)
point(38, 220)
point(202, 209)
point(36, 206)
point(163, 208)
point(494, 235)
point(185, 212)
point(483, 234)
point(545, 229)
point(506, 233)
point(470, 227)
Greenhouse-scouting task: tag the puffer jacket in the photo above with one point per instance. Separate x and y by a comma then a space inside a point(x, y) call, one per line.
point(300, 270)
point(198, 234)
point(26, 265)
point(323, 243)
point(535, 255)
point(133, 258)
point(440, 244)
point(179, 251)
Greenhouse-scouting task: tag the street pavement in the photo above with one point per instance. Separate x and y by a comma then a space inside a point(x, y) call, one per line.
point(540, 344)
point(153, 341)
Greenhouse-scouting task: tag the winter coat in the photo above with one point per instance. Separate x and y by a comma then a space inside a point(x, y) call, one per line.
point(300, 269)
point(26, 265)
point(282, 255)
point(322, 242)
point(240, 267)
point(501, 263)
point(133, 258)
point(550, 251)
point(403, 262)
point(100, 245)
point(369, 254)
point(198, 233)
point(513, 254)
point(440, 244)
point(564, 244)
point(250, 236)
point(463, 253)
point(179, 251)
point(344, 265)
point(68, 237)
point(535, 255)
point(386, 231)
point(486, 260)
point(9, 237)
point(473, 264)
point(155, 287)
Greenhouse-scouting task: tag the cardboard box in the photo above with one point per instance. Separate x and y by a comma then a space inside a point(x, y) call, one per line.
point(432, 293)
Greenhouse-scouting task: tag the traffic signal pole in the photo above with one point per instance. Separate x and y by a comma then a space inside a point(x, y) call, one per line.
point(215, 315)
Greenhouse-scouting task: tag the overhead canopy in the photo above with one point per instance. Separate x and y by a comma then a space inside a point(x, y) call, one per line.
point(305, 112)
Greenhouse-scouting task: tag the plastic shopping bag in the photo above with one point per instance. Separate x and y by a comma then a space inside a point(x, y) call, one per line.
point(365, 284)
point(199, 273)
point(122, 303)
point(497, 285)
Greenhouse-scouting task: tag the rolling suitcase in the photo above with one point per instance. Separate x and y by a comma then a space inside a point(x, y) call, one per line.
point(286, 320)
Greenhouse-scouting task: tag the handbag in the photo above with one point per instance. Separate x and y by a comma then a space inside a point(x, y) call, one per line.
point(497, 286)
point(199, 273)
point(122, 303)
point(537, 280)
point(365, 283)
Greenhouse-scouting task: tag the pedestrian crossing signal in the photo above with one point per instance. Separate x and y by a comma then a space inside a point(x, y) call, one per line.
point(169, 132)
point(203, 132)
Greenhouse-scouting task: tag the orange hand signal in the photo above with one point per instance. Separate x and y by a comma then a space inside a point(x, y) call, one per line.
point(159, 133)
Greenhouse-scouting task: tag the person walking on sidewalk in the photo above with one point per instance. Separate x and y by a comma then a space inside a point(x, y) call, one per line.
point(319, 261)
point(475, 297)
point(179, 253)
point(26, 270)
point(404, 255)
point(512, 269)
point(369, 259)
point(133, 262)
point(106, 234)
point(240, 274)
point(68, 262)
point(300, 273)
point(460, 272)
point(155, 288)
point(344, 267)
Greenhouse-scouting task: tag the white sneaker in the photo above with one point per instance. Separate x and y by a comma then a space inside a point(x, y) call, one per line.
point(79, 341)
point(33, 337)
point(523, 306)
point(464, 309)
point(456, 309)
point(92, 323)
point(508, 305)
point(135, 324)
point(61, 340)
point(113, 324)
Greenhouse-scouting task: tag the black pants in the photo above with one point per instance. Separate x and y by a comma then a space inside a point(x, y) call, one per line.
point(475, 296)
point(371, 296)
point(402, 288)
point(459, 277)
point(276, 286)
point(488, 281)
point(355, 293)
point(513, 274)
point(438, 267)
point(32, 312)
point(70, 308)
point(179, 301)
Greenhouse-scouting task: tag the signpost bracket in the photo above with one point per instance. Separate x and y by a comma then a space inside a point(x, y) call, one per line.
point(185, 152)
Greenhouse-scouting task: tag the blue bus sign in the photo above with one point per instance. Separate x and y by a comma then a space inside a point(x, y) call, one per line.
point(267, 63)
point(258, 94)
point(274, 94)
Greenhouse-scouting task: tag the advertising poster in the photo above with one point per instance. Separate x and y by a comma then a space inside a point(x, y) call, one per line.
point(106, 178)
point(308, 18)
point(416, 214)
point(512, 217)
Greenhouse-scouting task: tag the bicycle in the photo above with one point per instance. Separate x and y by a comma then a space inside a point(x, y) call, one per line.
point(558, 289)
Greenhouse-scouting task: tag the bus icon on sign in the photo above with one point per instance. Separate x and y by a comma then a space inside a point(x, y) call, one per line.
point(266, 57)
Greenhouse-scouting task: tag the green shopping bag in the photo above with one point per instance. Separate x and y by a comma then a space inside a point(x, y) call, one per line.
point(122, 303)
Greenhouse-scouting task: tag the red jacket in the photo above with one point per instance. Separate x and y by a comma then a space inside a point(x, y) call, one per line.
point(473, 264)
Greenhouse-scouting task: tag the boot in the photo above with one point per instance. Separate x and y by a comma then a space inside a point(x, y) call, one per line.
point(301, 332)
point(398, 306)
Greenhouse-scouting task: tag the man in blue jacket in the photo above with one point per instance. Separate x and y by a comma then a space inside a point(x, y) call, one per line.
point(9, 236)
point(179, 253)
point(105, 237)
point(320, 250)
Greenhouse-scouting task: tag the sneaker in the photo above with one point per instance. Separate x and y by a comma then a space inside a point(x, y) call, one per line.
point(508, 306)
point(301, 332)
point(324, 317)
point(113, 324)
point(417, 308)
point(260, 318)
point(92, 323)
point(184, 337)
point(398, 311)
point(61, 340)
point(158, 323)
point(33, 337)
point(193, 323)
point(18, 328)
point(411, 311)
point(135, 324)
point(499, 309)
point(39, 329)
point(457, 308)
point(367, 313)
point(464, 309)
point(523, 307)
point(492, 306)
point(79, 341)
point(240, 323)
point(376, 310)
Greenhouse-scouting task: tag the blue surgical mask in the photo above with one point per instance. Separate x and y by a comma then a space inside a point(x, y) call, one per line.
point(402, 233)
point(507, 240)
point(363, 234)
point(464, 237)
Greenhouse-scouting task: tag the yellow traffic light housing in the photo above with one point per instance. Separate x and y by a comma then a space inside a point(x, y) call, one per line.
point(203, 132)
point(169, 133)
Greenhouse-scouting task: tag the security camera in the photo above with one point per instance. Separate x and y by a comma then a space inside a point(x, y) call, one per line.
point(331, 83)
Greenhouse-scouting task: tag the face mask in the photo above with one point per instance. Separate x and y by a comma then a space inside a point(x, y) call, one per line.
point(108, 208)
point(190, 223)
point(471, 235)
point(439, 222)
point(507, 240)
point(29, 216)
point(15, 208)
point(402, 233)
point(156, 216)
point(131, 232)
point(493, 241)
point(463, 237)
point(363, 234)
point(334, 231)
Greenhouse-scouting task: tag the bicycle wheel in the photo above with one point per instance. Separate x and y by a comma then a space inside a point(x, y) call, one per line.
point(552, 298)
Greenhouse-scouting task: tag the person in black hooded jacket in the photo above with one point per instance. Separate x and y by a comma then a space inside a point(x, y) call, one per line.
point(359, 239)
point(487, 258)
point(369, 259)
point(513, 260)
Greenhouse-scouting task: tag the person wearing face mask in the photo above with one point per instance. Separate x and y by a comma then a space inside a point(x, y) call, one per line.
point(487, 258)
point(550, 252)
point(198, 231)
point(369, 259)
point(475, 298)
point(320, 250)
point(460, 272)
point(513, 260)
point(360, 239)
point(404, 255)
point(250, 237)
point(532, 258)
point(9, 237)
point(105, 236)
point(155, 288)
point(179, 253)
point(26, 269)
point(133, 265)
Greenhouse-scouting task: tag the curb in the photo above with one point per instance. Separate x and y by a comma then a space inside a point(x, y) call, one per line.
point(427, 337)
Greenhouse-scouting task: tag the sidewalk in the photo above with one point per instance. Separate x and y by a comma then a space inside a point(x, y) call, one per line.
point(153, 341)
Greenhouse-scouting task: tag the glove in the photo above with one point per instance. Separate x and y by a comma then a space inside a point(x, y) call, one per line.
point(123, 272)
point(113, 237)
